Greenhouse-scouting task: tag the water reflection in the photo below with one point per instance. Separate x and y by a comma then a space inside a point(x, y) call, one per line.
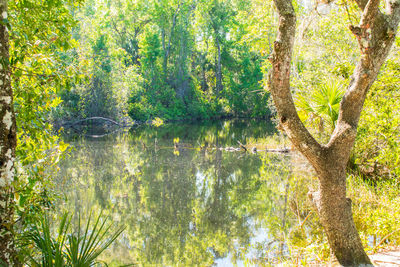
point(187, 204)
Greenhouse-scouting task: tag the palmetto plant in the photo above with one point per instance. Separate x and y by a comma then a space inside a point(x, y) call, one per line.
point(68, 248)
point(51, 249)
point(323, 102)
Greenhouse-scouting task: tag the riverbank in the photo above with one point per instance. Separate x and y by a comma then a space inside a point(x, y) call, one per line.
point(128, 122)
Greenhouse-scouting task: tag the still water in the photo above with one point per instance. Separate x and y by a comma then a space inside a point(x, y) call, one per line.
point(183, 201)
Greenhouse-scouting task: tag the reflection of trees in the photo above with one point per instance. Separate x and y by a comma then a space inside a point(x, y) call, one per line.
point(293, 230)
point(179, 210)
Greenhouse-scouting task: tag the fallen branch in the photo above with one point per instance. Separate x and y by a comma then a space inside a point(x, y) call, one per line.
point(242, 146)
point(71, 124)
point(236, 149)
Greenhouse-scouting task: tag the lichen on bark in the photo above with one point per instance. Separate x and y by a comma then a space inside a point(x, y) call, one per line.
point(7, 150)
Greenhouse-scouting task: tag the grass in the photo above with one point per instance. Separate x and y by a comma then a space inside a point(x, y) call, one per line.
point(376, 211)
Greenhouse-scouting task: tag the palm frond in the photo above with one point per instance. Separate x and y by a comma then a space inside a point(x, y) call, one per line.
point(77, 249)
point(324, 101)
point(85, 247)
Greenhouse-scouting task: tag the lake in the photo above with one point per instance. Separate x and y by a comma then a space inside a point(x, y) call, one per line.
point(187, 194)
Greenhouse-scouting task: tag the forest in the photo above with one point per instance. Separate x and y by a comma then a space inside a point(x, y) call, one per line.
point(175, 60)
point(199, 133)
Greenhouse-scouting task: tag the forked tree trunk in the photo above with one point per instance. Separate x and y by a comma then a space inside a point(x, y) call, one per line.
point(7, 148)
point(375, 35)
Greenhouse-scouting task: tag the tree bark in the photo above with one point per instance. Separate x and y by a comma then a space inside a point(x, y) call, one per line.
point(219, 86)
point(335, 214)
point(375, 36)
point(7, 148)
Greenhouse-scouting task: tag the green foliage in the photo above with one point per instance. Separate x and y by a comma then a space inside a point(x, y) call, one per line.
point(151, 49)
point(162, 60)
point(39, 41)
point(377, 148)
point(322, 103)
point(244, 94)
point(321, 77)
point(169, 59)
point(324, 58)
point(375, 208)
point(51, 249)
point(66, 248)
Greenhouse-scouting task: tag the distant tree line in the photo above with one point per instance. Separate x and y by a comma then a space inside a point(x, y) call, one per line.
point(172, 59)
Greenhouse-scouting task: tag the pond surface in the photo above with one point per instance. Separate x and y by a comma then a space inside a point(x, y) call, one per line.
point(183, 200)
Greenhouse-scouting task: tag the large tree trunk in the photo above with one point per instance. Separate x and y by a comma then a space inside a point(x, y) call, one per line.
point(375, 35)
point(7, 149)
point(336, 217)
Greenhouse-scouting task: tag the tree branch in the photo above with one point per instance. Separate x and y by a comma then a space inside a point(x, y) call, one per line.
point(375, 36)
point(279, 84)
point(361, 3)
point(393, 10)
point(370, 12)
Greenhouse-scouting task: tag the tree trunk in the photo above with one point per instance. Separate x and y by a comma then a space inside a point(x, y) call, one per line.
point(167, 48)
point(7, 149)
point(183, 77)
point(165, 58)
point(335, 214)
point(219, 68)
point(375, 35)
point(203, 62)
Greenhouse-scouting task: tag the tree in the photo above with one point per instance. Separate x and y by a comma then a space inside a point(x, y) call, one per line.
point(375, 35)
point(31, 71)
point(8, 144)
